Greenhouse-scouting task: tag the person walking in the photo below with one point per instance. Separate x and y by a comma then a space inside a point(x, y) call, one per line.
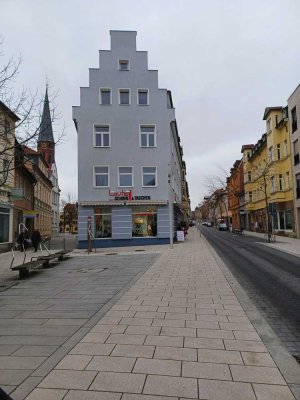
point(36, 239)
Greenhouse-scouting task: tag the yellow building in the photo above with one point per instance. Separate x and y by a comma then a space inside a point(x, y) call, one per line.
point(267, 177)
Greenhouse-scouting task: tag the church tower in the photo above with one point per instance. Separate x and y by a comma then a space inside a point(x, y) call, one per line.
point(46, 147)
point(45, 143)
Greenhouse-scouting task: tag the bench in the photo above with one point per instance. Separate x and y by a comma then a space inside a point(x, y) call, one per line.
point(37, 262)
point(237, 231)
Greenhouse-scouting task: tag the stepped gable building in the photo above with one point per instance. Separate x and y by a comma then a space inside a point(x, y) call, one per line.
point(130, 166)
point(46, 147)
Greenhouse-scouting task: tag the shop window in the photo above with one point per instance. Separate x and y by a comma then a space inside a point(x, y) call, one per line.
point(144, 224)
point(102, 224)
point(4, 225)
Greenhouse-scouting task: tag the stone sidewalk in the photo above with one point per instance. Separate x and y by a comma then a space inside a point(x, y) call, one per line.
point(179, 332)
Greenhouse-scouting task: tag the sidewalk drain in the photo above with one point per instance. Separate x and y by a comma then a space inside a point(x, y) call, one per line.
point(140, 250)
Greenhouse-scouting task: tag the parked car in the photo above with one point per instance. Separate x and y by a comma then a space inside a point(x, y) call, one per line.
point(223, 226)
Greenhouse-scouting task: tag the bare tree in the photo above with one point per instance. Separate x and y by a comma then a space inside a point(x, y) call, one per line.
point(20, 117)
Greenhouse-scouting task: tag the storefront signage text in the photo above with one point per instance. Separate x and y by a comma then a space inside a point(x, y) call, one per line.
point(127, 196)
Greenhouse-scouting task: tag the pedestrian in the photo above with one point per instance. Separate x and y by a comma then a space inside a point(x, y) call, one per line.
point(36, 239)
point(21, 240)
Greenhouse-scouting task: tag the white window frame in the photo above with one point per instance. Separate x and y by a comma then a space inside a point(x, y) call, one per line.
point(140, 136)
point(119, 96)
point(137, 99)
point(119, 174)
point(94, 177)
point(278, 151)
point(270, 153)
point(272, 184)
point(149, 166)
point(287, 181)
point(100, 133)
point(280, 182)
point(285, 148)
point(100, 95)
point(123, 60)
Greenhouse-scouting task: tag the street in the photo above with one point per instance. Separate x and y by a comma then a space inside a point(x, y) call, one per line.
point(270, 278)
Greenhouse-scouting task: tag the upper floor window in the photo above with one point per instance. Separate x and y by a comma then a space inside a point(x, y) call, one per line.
point(124, 96)
point(124, 65)
point(149, 176)
point(101, 176)
point(147, 136)
point(271, 153)
point(249, 176)
point(280, 182)
point(250, 197)
point(296, 152)
point(5, 166)
point(101, 135)
point(298, 186)
point(125, 177)
point(272, 182)
point(269, 125)
point(294, 119)
point(287, 180)
point(105, 96)
point(285, 148)
point(6, 128)
point(143, 97)
point(278, 152)
point(248, 155)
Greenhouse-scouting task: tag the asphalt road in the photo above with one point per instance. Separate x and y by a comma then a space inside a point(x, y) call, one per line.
point(270, 277)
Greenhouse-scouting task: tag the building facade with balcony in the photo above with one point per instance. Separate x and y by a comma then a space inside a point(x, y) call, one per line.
point(129, 154)
point(294, 125)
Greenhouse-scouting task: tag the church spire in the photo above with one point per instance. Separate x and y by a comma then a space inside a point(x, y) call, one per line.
point(45, 131)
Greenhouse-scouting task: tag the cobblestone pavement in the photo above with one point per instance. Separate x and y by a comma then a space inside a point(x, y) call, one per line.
point(178, 332)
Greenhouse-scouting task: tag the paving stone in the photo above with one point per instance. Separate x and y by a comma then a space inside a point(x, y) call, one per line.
point(143, 330)
point(173, 353)
point(256, 374)
point(172, 309)
point(223, 390)
point(174, 323)
point(245, 345)
point(33, 340)
point(272, 392)
point(203, 343)
point(128, 350)
point(11, 362)
point(12, 377)
point(35, 351)
point(93, 349)
point(182, 316)
point(111, 321)
point(206, 370)
point(95, 337)
point(157, 367)
point(7, 349)
point(72, 361)
point(150, 314)
point(47, 394)
point(112, 364)
point(258, 359)
point(126, 339)
point(171, 386)
point(136, 321)
point(130, 396)
point(121, 314)
point(171, 341)
point(219, 356)
point(235, 326)
point(108, 328)
point(203, 324)
point(91, 395)
point(215, 334)
point(169, 331)
point(118, 382)
point(244, 335)
point(64, 379)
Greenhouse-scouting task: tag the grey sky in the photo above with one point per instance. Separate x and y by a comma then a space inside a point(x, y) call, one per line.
point(224, 61)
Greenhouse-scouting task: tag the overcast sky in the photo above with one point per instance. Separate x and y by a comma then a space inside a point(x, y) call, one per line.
point(223, 60)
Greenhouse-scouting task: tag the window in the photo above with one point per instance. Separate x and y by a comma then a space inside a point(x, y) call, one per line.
point(143, 99)
point(248, 155)
point(298, 186)
point(272, 182)
point(124, 65)
point(125, 177)
point(280, 182)
point(5, 169)
point(278, 151)
point(287, 180)
point(102, 223)
point(269, 125)
point(4, 225)
point(105, 96)
point(285, 148)
point(294, 119)
point(250, 197)
point(124, 96)
point(147, 136)
point(149, 176)
point(271, 153)
point(296, 152)
point(249, 176)
point(6, 128)
point(101, 135)
point(144, 222)
point(101, 176)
